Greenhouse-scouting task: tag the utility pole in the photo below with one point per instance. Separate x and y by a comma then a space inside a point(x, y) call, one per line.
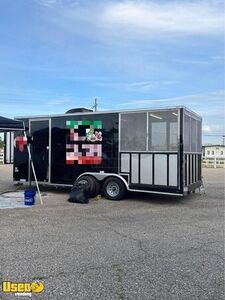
point(95, 106)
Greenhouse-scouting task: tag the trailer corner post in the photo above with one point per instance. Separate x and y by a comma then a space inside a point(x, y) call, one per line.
point(181, 148)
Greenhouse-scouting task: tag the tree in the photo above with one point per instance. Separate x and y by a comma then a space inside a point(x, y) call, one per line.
point(1, 143)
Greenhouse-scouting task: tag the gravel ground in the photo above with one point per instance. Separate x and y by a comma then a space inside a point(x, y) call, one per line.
point(145, 247)
point(6, 177)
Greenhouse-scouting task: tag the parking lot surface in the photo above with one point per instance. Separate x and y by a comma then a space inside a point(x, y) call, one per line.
point(144, 247)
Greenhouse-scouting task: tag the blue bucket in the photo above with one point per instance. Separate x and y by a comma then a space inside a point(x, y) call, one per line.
point(29, 197)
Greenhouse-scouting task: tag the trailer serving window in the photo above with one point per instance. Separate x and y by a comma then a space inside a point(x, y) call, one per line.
point(151, 131)
point(133, 133)
point(163, 130)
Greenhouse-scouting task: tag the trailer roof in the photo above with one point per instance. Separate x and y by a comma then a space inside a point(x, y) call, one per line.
point(110, 111)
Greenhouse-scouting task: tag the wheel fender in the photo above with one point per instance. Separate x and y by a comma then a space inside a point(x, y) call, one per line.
point(103, 176)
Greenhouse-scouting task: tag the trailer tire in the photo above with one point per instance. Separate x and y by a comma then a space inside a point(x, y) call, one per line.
point(92, 184)
point(113, 189)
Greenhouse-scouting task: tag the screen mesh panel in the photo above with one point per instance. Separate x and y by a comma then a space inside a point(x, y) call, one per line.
point(158, 136)
point(192, 134)
point(163, 131)
point(199, 136)
point(194, 140)
point(133, 132)
point(187, 133)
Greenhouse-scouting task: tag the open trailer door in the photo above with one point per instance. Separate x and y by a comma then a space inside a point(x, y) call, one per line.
point(40, 148)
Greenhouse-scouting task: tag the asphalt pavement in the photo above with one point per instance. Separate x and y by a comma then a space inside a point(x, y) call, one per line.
point(144, 247)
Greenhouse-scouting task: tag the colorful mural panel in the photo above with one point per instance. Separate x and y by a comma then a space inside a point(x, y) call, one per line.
point(85, 142)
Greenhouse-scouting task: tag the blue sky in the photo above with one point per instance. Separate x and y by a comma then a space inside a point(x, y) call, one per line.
point(59, 54)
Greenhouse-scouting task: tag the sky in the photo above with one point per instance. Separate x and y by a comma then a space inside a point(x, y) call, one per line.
point(60, 54)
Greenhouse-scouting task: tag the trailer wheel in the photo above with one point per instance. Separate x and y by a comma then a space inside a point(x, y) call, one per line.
point(113, 188)
point(93, 185)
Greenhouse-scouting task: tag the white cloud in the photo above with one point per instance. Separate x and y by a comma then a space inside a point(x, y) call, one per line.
point(136, 86)
point(206, 129)
point(144, 17)
point(59, 101)
point(196, 99)
point(218, 58)
point(107, 19)
point(209, 105)
point(46, 3)
point(215, 129)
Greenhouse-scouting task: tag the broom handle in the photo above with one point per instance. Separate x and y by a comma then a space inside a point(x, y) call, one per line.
point(32, 165)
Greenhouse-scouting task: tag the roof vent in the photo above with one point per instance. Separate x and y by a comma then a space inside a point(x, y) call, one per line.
point(77, 110)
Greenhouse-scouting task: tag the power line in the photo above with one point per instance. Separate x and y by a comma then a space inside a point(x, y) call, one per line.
point(214, 135)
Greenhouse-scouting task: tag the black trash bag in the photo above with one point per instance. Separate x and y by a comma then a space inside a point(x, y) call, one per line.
point(79, 194)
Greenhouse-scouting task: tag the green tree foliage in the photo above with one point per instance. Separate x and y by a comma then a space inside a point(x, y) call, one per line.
point(1, 143)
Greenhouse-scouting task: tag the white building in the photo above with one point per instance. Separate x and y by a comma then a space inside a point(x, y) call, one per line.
point(213, 156)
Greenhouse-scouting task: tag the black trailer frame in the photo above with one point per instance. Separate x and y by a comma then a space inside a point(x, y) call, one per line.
point(148, 150)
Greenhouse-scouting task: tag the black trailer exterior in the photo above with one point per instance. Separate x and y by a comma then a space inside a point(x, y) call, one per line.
point(156, 151)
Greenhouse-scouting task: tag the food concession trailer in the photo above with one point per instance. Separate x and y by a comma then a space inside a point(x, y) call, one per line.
point(151, 150)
